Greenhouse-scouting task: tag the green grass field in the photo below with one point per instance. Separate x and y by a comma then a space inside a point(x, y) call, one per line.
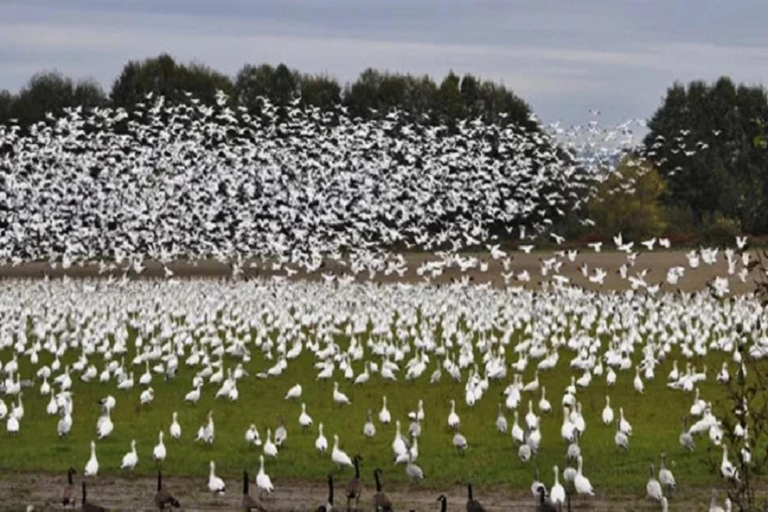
point(491, 460)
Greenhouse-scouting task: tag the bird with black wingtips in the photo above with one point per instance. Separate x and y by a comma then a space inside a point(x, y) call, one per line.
point(249, 503)
point(163, 499)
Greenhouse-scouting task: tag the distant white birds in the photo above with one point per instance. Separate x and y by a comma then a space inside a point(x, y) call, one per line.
point(159, 451)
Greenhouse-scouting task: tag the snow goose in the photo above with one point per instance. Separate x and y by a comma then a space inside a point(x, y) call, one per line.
point(339, 398)
point(339, 457)
point(544, 405)
point(92, 466)
point(557, 493)
point(321, 443)
point(215, 484)
point(131, 458)
point(175, 427)
point(580, 482)
point(294, 393)
point(305, 420)
point(281, 434)
point(263, 482)
point(607, 411)
point(369, 429)
point(270, 448)
point(159, 452)
point(653, 487)
point(501, 421)
point(666, 478)
point(453, 418)
point(384, 416)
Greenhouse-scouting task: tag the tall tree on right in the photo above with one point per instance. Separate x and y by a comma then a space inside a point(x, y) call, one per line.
point(701, 140)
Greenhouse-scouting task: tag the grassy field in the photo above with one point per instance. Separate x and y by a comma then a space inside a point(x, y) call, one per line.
point(490, 461)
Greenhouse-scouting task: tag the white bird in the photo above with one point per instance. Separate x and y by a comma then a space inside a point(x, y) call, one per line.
point(453, 419)
point(666, 478)
point(653, 487)
point(294, 393)
point(215, 484)
point(607, 411)
point(92, 466)
point(159, 452)
point(339, 397)
point(580, 482)
point(131, 458)
point(339, 457)
point(263, 482)
point(557, 493)
point(270, 448)
point(369, 429)
point(175, 427)
point(321, 443)
point(305, 420)
point(384, 416)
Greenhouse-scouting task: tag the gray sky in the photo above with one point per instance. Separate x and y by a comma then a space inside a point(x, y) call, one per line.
point(564, 57)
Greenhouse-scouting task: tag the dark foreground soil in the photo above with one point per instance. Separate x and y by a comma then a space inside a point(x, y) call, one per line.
point(44, 492)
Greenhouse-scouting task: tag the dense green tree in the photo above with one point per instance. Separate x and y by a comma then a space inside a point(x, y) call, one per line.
point(6, 101)
point(162, 75)
point(702, 140)
point(279, 84)
point(630, 201)
point(320, 91)
point(50, 92)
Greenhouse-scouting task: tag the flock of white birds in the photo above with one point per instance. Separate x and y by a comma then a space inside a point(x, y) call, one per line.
point(359, 334)
point(170, 182)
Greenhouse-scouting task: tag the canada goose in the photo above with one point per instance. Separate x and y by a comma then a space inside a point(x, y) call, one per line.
point(544, 504)
point(443, 503)
point(381, 502)
point(164, 499)
point(69, 500)
point(248, 502)
point(472, 504)
point(90, 507)
point(354, 486)
point(329, 504)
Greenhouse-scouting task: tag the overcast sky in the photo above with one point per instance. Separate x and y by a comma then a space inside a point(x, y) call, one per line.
point(563, 57)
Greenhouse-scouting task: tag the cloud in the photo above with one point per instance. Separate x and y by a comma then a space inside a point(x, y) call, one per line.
point(562, 58)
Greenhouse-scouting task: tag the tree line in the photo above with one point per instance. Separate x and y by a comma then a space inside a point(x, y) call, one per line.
point(374, 93)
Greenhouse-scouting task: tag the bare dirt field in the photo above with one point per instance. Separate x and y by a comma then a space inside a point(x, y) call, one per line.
point(44, 492)
point(656, 264)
